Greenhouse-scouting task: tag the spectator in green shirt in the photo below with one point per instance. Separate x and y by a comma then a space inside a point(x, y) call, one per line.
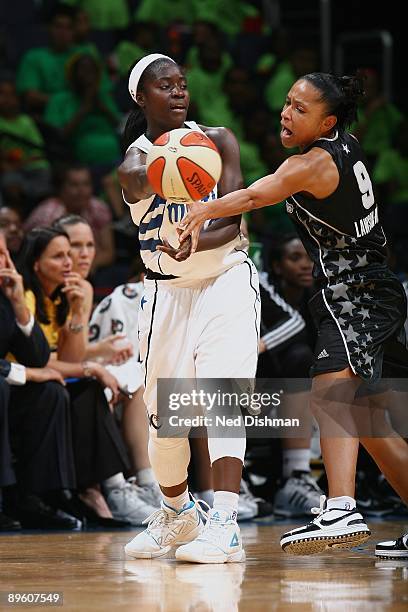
point(86, 114)
point(25, 172)
point(378, 120)
point(42, 69)
point(104, 14)
point(143, 41)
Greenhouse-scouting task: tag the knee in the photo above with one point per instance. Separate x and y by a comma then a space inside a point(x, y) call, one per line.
point(169, 458)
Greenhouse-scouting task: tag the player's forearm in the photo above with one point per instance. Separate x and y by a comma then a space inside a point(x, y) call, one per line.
point(233, 203)
point(214, 237)
point(134, 182)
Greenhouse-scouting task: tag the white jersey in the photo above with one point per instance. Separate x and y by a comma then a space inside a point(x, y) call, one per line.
point(157, 219)
point(118, 314)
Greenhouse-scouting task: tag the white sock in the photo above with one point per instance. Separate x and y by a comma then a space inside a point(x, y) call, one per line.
point(226, 501)
point(207, 496)
point(117, 481)
point(178, 502)
point(344, 502)
point(145, 477)
point(295, 459)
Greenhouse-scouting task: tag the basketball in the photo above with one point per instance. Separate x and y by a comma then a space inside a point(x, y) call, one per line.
point(183, 165)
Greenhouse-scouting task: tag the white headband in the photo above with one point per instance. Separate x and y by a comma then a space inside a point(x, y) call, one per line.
point(139, 69)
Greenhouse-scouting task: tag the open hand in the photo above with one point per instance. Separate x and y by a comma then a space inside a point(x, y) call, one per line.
point(11, 282)
point(193, 223)
point(181, 253)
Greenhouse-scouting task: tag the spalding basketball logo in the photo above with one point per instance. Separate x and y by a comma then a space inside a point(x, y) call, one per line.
point(198, 185)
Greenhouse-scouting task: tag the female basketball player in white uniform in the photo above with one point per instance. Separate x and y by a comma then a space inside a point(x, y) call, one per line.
point(199, 318)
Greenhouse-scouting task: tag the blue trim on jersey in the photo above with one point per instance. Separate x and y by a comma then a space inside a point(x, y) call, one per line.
point(152, 224)
point(149, 245)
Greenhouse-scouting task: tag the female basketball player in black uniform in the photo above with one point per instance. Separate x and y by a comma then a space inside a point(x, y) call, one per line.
point(360, 308)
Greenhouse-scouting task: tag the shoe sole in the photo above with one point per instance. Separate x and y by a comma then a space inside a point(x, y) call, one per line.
point(309, 546)
point(400, 555)
point(238, 557)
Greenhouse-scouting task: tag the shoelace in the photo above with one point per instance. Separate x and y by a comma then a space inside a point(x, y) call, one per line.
point(161, 517)
point(322, 509)
point(310, 483)
point(247, 494)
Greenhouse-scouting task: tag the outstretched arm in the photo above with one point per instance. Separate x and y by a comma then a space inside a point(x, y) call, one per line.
point(313, 172)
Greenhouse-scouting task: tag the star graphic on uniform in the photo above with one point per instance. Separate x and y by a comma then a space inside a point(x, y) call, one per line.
point(367, 296)
point(359, 363)
point(369, 337)
point(351, 334)
point(357, 300)
point(329, 273)
point(345, 148)
point(341, 321)
point(365, 313)
point(347, 307)
point(318, 231)
point(368, 358)
point(343, 264)
point(143, 301)
point(363, 343)
point(363, 325)
point(362, 261)
point(353, 240)
point(339, 290)
point(341, 243)
point(357, 350)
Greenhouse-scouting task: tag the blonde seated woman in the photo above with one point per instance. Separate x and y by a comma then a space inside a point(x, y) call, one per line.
point(112, 340)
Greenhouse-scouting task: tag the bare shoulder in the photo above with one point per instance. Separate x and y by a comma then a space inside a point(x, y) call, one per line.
point(134, 157)
point(322, 171)
point(220, 135)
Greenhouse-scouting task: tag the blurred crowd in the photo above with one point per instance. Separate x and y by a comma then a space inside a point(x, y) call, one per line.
point(73, 430)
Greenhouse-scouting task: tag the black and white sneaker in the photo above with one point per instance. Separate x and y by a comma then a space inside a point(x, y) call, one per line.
point(332, 528)
point(394, 549)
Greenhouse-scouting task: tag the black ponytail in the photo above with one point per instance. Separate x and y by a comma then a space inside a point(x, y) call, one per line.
point(136, 125)
point(341, 95)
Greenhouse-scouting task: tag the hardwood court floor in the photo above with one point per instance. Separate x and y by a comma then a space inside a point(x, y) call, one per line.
point(91, 570)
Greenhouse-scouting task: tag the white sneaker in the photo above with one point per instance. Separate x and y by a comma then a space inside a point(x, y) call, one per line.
point(332, 528)
point(127, 503)
point(150, 492)
point(298, 496)
point(247, 506)
point(219, 542)
point(166, 528)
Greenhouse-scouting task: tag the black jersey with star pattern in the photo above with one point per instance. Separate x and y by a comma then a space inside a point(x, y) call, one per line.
point(345, 240)
point(341, 232)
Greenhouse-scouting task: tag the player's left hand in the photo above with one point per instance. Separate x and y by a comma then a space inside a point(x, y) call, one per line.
point(193, 223)
point(179, 254)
